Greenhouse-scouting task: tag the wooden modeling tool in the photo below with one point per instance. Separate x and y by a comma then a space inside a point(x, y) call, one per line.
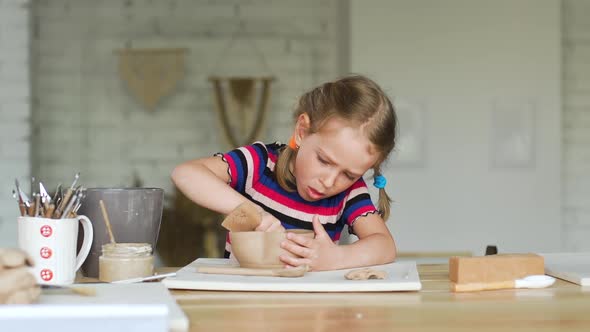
point(49, 212)
point(45, 198)
point(142, 279)
point(286, 272)
point(243, 218)
point(63, 204)
point(23, 199)
point(107, 221)
point(38, 206)
point(31, 209)
point(21, 205)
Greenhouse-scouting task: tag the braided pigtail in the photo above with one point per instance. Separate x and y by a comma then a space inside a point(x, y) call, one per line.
point(384, 203)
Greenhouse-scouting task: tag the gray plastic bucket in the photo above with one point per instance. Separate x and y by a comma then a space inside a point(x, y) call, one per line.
point(135, 215)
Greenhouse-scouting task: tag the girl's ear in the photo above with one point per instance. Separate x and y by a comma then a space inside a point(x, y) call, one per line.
point(302, 128)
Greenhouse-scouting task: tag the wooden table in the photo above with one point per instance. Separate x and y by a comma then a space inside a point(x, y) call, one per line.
point(562, 307)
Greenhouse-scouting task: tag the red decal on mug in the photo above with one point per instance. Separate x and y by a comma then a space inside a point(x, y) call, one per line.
point(46, 274)
point(46, 230)
point(46, 252)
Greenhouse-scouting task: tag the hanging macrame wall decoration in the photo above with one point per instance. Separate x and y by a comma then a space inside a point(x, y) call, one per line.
point(151, 74)
point(241, 104)
point(242, 101)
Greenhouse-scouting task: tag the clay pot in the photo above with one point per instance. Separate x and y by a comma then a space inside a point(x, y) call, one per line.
point(261, 250)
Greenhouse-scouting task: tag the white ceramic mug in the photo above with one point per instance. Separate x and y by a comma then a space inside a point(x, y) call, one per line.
point(52, 245)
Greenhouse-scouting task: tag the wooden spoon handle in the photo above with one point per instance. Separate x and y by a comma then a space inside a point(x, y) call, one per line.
point(288, 273)
point(235, 271)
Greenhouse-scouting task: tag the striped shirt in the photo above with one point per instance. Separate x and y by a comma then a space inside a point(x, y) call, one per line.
point(251, 171)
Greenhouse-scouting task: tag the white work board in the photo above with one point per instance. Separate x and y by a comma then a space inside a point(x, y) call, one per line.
point(401, 276)
point(573, 267)
point(142, 306)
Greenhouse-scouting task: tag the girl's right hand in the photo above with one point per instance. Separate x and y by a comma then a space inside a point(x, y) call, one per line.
point(269, 223)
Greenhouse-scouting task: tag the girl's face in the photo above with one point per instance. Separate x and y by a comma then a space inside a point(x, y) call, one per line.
point(331, 160)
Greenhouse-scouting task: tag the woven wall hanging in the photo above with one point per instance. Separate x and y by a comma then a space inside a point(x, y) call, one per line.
point(242, 101)
point(241, 104)
point(151, 74)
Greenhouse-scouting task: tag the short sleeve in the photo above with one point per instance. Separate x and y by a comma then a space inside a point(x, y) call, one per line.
point(245, 165)
point(358, 203)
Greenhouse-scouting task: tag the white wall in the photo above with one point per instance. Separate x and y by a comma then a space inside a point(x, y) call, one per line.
point(576, 125)
point(15, 111)
point(454, 59)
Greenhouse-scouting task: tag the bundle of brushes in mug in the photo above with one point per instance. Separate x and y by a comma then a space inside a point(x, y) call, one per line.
point(41, 204)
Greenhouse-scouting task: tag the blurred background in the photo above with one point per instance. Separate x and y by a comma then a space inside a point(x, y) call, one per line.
point(493, 98)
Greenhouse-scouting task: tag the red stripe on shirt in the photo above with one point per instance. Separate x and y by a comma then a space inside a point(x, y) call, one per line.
point(360, 211)
point(290, 204)
point(357, 184)
point(336, 236)
point(273, 157)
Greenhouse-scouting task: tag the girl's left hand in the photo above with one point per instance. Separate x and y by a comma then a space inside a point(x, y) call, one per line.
point(320, 253)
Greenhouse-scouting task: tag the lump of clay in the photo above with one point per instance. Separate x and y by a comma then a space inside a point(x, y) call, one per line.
point(365, 274)
point(11, 258)
point(17, 284)
point(244, 218)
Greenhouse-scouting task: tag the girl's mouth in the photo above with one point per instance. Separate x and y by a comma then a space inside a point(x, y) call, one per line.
point(314, 193)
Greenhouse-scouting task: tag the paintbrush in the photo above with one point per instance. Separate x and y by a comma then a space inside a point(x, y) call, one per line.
point(105, 216)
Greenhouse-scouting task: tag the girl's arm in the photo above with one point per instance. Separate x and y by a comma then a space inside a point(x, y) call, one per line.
point(375, 246)
point(205, 182)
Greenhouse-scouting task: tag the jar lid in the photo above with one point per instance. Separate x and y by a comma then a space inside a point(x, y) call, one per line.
point(126, 249)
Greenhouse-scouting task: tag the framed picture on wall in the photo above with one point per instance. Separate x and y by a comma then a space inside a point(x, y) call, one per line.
point(410, 150)
point(512, 139)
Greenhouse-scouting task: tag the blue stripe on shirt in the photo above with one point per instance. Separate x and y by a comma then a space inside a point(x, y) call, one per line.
point(240, 168)
point(348, 210)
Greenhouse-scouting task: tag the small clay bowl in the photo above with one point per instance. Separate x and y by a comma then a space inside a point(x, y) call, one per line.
point(261, 250)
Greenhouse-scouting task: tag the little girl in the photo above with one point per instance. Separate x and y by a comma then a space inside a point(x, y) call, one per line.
point(343, 129)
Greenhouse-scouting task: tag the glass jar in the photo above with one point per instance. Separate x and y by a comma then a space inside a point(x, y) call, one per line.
point(121, 261)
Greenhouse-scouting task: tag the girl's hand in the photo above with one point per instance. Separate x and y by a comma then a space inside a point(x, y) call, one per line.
point(320, 253)
point(269, 223)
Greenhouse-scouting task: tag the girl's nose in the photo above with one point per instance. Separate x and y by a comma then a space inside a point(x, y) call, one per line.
point(328, 179)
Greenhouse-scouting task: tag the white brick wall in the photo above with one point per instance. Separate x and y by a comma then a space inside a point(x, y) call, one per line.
point(576, 120)
point(85, 119)
point(15, 110)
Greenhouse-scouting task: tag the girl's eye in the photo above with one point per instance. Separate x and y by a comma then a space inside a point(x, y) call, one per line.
point(323, 161)
point(350, 177)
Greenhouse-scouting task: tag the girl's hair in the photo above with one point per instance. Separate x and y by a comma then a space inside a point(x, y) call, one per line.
point(358, 100)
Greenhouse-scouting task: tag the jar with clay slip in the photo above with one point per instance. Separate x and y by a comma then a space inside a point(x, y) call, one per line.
point(121, 261)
